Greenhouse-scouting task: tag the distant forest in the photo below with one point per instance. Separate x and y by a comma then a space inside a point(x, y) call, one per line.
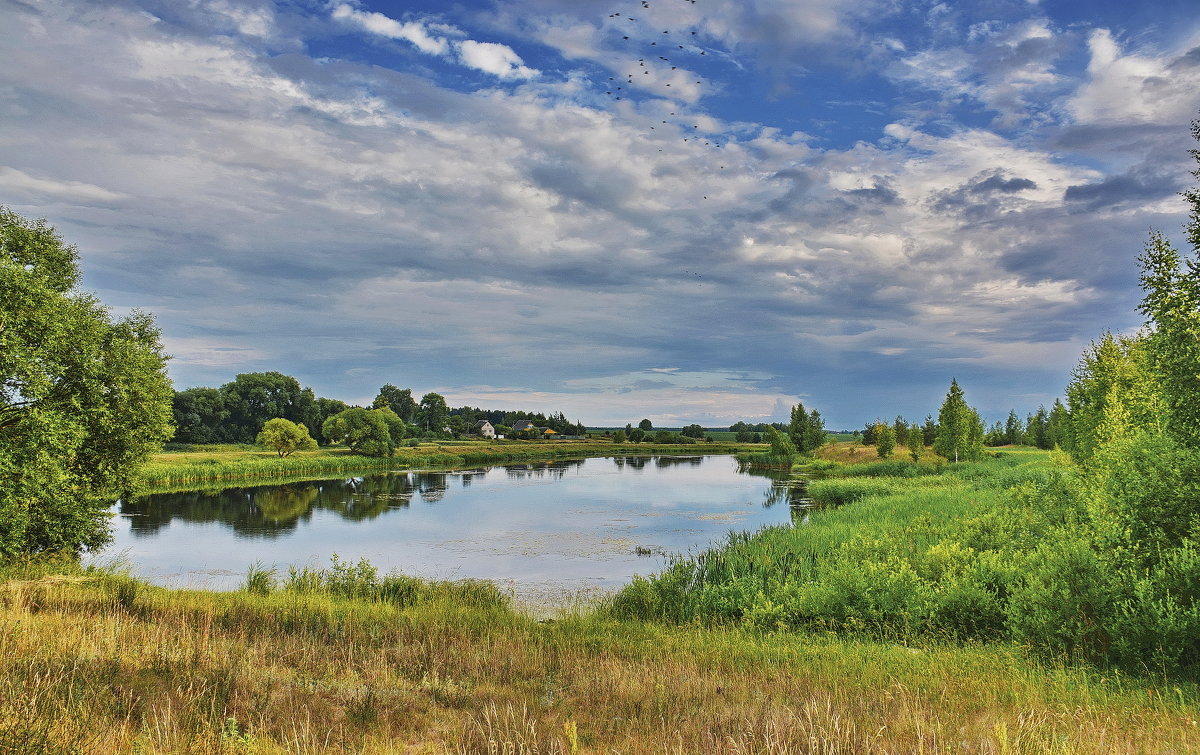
point(236, 411)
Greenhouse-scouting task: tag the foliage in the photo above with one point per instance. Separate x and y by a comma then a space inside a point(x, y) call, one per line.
point(84, 398)
point(645, 425)
point(692, 431)
point(807, 430)
point(1172, 306)
point(200, 415)
point(398, 400)
point(364, 431)
point(285, 437)
point(432, 413)
point(252, 398)
point(959, 429)
point(914, 439)
point(885, 440)
point(1112, 391)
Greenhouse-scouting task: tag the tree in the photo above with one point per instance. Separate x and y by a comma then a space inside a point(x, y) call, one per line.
point(899, 429)
point(364, 431)
point(84, 398)
point(885, 440)
point(199, 415)
point(1113, 390)
point(929, 430)
point(285, 437)
point(252, 398)
point(432, 412)
point(398, 400)
point(619, 436)
point(1172, 307)
point(806, 430)
point(323, 409)
point(782, 446)
point(1012, 428)
point(959, 429)
point(915, 440)
point(645, 425)
point(692, 431)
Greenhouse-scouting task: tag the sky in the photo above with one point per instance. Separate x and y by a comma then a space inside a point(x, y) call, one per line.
point(689, 211)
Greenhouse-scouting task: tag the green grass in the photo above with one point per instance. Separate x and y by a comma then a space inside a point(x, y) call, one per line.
point(333, 660)
point(199, 466)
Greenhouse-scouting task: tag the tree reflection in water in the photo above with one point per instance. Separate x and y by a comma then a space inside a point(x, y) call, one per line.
point(274, 510)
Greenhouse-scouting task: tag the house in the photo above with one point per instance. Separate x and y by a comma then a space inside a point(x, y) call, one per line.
point(522, 425)
point(484, 428)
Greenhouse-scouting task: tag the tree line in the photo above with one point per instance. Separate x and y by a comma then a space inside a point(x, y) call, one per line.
point(237, 411)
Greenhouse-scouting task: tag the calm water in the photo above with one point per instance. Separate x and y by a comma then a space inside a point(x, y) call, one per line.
point(544, 530)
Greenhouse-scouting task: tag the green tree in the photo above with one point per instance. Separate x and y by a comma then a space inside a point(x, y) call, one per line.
point(364, 431)
point(399, 400)
point(1115, 378)
point(899, 429)
point(84, 398)
point(915, 441)
point(285, 437)
point(199, 415)
point(782, 446)
point(806, 430)
point(323, 409)
point(1172, 307)
point(1012, 428)
point(1056, 426)
point(432, 412)
point(692, 431)
point(620, 437)
point(645, 425)
point(929, 430)
point(959, 428)
point(885, 440)
point(252, 398)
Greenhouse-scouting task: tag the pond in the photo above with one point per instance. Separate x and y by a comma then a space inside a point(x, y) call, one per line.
point(545, 531)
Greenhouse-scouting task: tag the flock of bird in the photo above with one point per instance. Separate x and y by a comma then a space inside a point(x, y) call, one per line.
point(618, 89)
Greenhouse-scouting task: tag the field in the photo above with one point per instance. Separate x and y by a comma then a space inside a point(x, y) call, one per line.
point(753, 648)
point(99, 663)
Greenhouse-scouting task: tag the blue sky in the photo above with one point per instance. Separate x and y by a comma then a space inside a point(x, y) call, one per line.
point(840, 202)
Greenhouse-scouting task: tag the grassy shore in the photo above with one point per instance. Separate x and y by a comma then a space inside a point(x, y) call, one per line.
point(205, 464)
point(100, 663)
point(347, 661)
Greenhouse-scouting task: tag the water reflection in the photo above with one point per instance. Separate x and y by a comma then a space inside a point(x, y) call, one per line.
point(274, 510)
point(568, 524)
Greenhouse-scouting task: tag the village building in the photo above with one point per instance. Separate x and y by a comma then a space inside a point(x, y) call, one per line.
point(484, 428)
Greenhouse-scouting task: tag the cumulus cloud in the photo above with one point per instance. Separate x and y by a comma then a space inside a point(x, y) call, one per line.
point(413, 32)
point(1134, 88)
point(496, 59)
point(356, 224)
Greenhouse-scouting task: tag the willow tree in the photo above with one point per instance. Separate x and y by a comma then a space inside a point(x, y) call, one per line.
point(84, 397)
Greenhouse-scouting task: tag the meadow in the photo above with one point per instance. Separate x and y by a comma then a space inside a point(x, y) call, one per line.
point(859, 631)
point(200, 465)
point(343, 660)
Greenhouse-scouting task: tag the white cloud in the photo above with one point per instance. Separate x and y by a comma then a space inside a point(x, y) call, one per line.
point(17, 183)
point(376, 23)
point(496, 59)
point(1133, 88)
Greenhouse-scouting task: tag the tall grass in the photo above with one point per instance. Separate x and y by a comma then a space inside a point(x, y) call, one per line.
point(310, 670)
point(197, 467)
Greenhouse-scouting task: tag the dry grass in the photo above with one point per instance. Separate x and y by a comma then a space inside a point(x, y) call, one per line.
point(109, 665)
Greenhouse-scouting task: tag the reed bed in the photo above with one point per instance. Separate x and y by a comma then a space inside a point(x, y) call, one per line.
point(199, 466)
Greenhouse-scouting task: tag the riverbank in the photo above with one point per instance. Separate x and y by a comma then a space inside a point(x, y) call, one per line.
point(100, 663)
point(202, 465)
